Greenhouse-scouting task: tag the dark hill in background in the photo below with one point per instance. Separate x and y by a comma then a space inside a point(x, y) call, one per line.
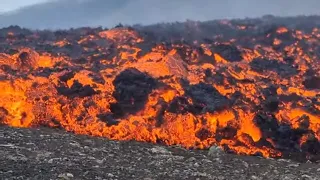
point(74, 13)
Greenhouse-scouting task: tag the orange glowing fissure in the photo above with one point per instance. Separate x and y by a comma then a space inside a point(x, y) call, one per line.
point(32, 100)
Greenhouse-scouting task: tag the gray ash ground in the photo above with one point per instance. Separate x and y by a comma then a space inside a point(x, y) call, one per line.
point(54, 154)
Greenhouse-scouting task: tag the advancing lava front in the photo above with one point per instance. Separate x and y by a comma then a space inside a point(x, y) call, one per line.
point(250, 86)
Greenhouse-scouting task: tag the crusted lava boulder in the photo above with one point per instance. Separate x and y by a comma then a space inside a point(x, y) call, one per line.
point(312, 82)
point(286, 138)
point(132, 88)
point(228, 52)
point(179, 105)
point(27, 59)
point(76, 90)
point(281, 68)
point(206, 98)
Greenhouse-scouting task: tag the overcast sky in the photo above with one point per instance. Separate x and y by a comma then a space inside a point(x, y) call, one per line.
point(9, 5)
point(54, 14)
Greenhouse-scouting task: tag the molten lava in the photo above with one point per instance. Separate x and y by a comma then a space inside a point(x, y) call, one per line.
point(257, 93)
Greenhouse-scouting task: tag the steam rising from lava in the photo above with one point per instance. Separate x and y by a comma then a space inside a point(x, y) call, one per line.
point(250, 91)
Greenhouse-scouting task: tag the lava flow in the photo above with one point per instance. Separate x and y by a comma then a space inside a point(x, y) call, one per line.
point(250, 86)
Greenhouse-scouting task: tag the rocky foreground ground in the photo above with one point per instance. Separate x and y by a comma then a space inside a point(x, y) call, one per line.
point(54, 154)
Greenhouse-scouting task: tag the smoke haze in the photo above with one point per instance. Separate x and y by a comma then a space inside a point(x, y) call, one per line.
point(58, 14)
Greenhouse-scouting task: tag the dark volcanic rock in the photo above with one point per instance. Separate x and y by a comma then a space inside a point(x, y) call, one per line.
point(288, 139)
point(25, 60)
point(228, 52)
point(43, 72)
point(108, 118)
point(271, 104)
point(179, 105)
point(312, 82)
point(261, 65)
point(67, 76)
point(76, 90)
point(311, 145)
point(206, 98)
point(285, 138)
point(132, 88)
point(293, 97)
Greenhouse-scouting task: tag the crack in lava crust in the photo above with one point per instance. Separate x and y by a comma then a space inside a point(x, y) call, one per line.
point(253, 89)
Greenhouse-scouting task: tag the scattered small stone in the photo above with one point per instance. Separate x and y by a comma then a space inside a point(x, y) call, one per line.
point(215, 151)
point(111, 155)
point(196, 165)
point(293, 165)
point(221, 178)
point(100, 161)
point(284, 160)
point(254, 177)
point(275, 171)
point(91, 158)
point(169, 160)
point(200, 174)
point(75, 144)
point(177, 158)
point(206, 161)
point(191, 159)
point(110, 175)
point(176, 171)
point(288, 177)
point(218, 160)
point(43, 155)
point(148, 179)
point(270, 158)
point(7, 145)
point(307, 177)
point(18, 158)
point(245, 164)
point(65, 176)
point(69, 175)
point(160, 150)
point(318, 169)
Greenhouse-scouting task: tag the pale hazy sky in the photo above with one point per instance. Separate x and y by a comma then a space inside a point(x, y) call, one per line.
point(9, 5)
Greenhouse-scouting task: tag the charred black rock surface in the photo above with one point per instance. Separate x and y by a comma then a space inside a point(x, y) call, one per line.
point(281, 68)
point(312, 82)
point(132, 88)
point(76, 90)
point(179, 105)
point(206, 98)
point(288, 139)
point(228, 52)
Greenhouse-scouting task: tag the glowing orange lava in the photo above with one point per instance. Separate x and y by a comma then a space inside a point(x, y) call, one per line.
point(213, 94)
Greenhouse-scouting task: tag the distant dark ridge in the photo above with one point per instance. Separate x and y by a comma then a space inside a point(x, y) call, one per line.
point(193, 30)
point(289, 21)
point(107, 13)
